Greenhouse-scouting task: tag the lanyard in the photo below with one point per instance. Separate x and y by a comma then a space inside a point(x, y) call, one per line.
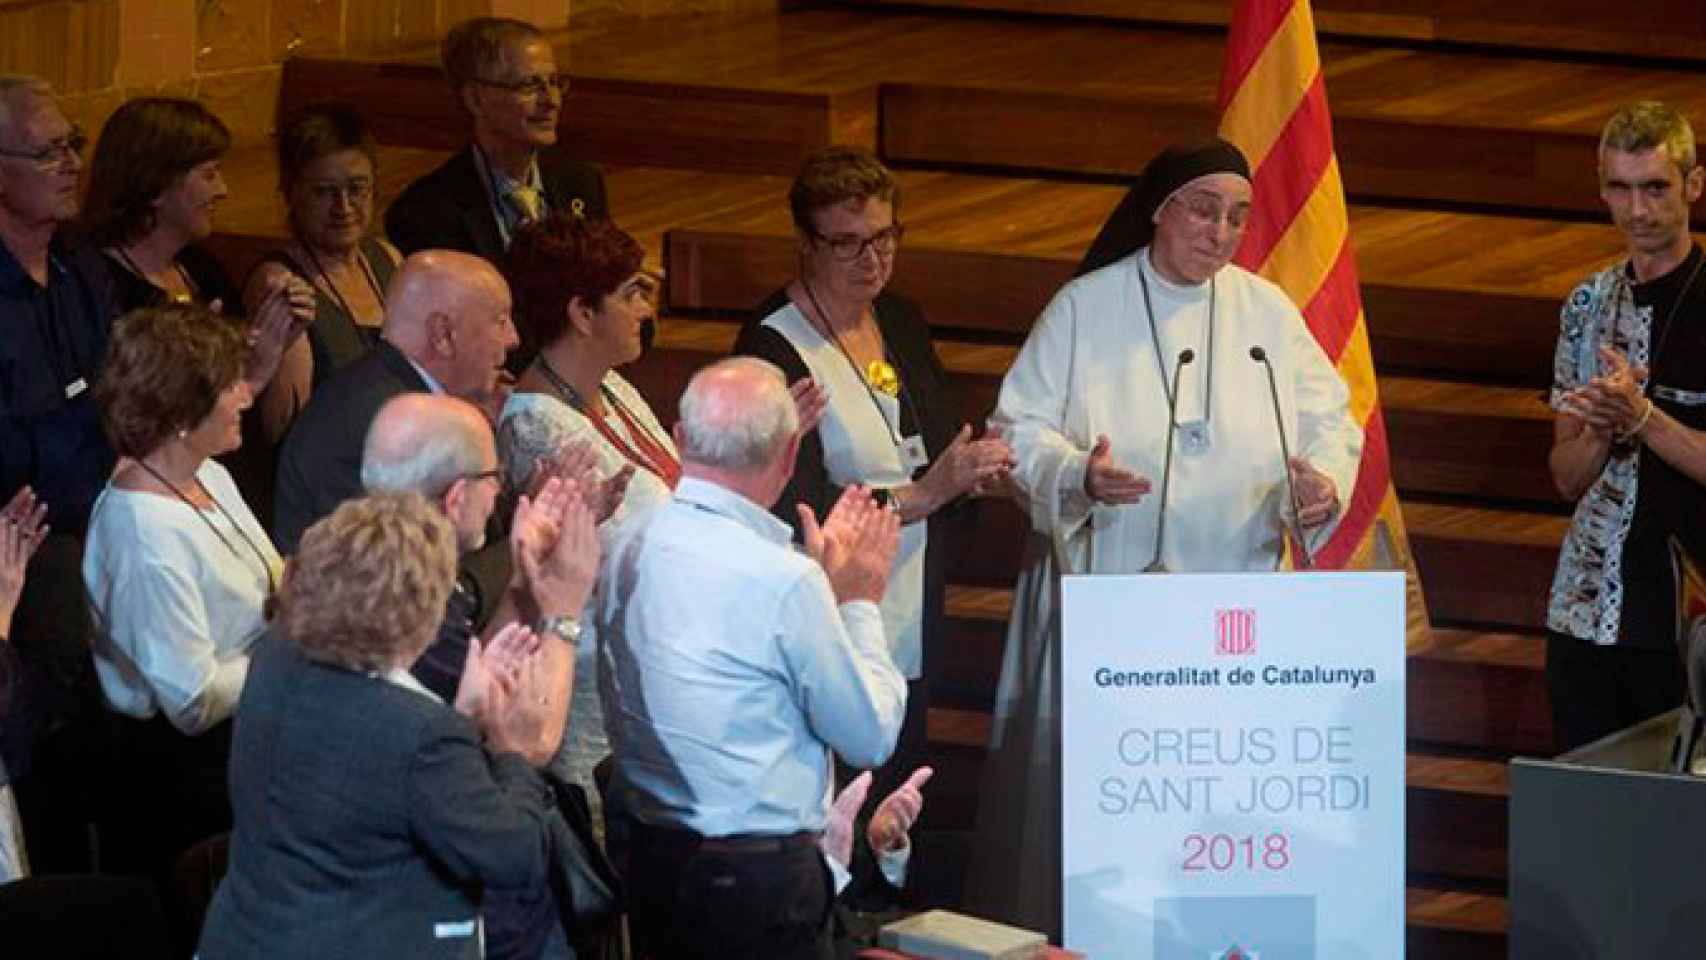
point(1208, 352)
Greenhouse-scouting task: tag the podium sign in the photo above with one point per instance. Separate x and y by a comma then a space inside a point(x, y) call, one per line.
point(1233, 765)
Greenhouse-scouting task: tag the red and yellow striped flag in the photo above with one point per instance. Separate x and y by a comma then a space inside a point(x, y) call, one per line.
point(1273, 105)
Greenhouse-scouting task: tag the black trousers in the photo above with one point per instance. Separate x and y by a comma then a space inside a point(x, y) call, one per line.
point(696, 899)
point(1598, 690)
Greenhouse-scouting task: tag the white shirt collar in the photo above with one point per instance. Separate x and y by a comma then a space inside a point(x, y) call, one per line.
point(397, 676)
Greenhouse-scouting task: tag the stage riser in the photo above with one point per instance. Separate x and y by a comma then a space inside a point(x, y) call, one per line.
point(612, 121)
point(1415, 329)
point(1564, 26)
point(1027, 133)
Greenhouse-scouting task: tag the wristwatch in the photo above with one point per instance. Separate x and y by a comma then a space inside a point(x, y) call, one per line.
point(562, 626)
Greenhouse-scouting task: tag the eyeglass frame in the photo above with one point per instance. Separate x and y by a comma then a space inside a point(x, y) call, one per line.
point(353, 191)
point(893, 233)
point(56, 154)
point(1205, 210)
point(533, 88)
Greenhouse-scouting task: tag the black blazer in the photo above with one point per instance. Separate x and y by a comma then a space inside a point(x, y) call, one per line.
point(319, 464)
point(369, 820)
point(449, 209)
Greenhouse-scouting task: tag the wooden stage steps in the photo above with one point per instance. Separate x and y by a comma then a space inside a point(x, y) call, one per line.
point(1063, 97)
point(1676, 30)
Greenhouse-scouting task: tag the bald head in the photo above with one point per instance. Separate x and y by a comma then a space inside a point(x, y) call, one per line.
point(450, 313)
point(422, 443)
point(736, 415)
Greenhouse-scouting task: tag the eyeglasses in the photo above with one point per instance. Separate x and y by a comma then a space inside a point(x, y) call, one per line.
point(57, 154)
point(848, 247)
point(534, 88)
point(1206, 211)
point(330, 191)
point(495, 474)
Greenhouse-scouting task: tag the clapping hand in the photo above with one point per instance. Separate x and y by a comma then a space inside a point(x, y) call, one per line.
point(577, 461)
point(286, 309)
point(967, 466)
point(837, 839)
point(1612, 402)
point(555, 546)
point(492, 665)
point(21, 532)
point(810, 401)
point(1106, 481)
point(525, 704)
point(897, 813)
point(855, 545)
point(1317, 494)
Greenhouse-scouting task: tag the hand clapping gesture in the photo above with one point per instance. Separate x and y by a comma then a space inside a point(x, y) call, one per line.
point(577, 462)
point(1613, 402)
point(21, 532)
point(856, 544)
point(967, 466)
point(524, 704)
point(286, 309)
point(555, 546)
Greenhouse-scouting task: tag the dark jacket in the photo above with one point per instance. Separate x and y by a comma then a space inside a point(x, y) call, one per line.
point(450, 209)
point(319, 464)
point(369, 819)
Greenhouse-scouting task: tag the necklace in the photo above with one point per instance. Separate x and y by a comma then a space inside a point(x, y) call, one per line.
point(645, 450)
point(881, 369)
point(272, 587)
point(1194, 436)
point(175, 298)
point(879, 374)
point(332, 288)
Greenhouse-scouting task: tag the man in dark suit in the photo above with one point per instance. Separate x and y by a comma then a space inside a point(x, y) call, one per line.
point(447, 330)
point(505, 76)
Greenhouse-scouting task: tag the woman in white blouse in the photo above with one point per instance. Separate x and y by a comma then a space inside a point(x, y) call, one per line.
point(579, 294)
point(179, 573)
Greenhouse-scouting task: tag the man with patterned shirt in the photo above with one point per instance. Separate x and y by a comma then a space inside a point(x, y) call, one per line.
point(1611, 614)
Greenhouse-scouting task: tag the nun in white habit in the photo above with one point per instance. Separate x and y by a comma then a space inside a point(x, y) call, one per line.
point(1085, 408)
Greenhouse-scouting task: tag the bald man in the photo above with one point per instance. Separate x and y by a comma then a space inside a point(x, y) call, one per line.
point(732, 666)
point(447, 330)
point(442, 448)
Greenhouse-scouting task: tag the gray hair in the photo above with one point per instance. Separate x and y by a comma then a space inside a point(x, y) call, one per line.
point(428, 466)
point(731, 429)
point(1648, 124)
point(11, 84)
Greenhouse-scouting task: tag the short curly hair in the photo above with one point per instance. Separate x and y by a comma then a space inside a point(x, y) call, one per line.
point(144, 148)
point(165, 368)
point(835, 175)
point(367, 587)
point(559, 258)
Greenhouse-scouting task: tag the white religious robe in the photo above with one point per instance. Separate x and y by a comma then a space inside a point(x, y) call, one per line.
point(1090, 368)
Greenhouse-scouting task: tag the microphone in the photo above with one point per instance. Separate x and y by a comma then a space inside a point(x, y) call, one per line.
point(1695, 663)
point(1261, 356)
point(1185, 356)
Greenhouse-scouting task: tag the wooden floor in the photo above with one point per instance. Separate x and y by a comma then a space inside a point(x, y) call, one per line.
point(1475, 213)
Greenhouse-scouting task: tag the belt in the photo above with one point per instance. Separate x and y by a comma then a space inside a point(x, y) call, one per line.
point(675, 838)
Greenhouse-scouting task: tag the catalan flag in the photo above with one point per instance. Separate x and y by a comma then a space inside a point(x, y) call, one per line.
point(1273, 105)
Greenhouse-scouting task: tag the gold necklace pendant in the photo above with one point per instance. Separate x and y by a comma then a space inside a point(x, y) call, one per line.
point(880, 374)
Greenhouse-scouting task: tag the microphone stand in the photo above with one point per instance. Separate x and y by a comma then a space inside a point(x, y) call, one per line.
point(1155, 565)
point(1261, 356)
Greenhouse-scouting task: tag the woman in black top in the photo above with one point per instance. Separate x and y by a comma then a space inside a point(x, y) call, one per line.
point(326, 168)
point(890, 423)
point(154, 182)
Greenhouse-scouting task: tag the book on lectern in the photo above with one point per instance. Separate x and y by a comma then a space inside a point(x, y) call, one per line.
point(945, 935)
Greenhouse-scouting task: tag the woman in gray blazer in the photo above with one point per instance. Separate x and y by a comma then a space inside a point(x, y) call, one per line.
point(371, 816)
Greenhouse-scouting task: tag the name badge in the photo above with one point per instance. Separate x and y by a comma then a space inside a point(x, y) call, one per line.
point(913, 454)
point(75, 388)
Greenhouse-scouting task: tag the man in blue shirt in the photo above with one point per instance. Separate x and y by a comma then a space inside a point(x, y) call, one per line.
point(731, 667)
point(56, 305)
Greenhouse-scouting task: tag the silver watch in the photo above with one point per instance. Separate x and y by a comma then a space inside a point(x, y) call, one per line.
point(563, 627)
